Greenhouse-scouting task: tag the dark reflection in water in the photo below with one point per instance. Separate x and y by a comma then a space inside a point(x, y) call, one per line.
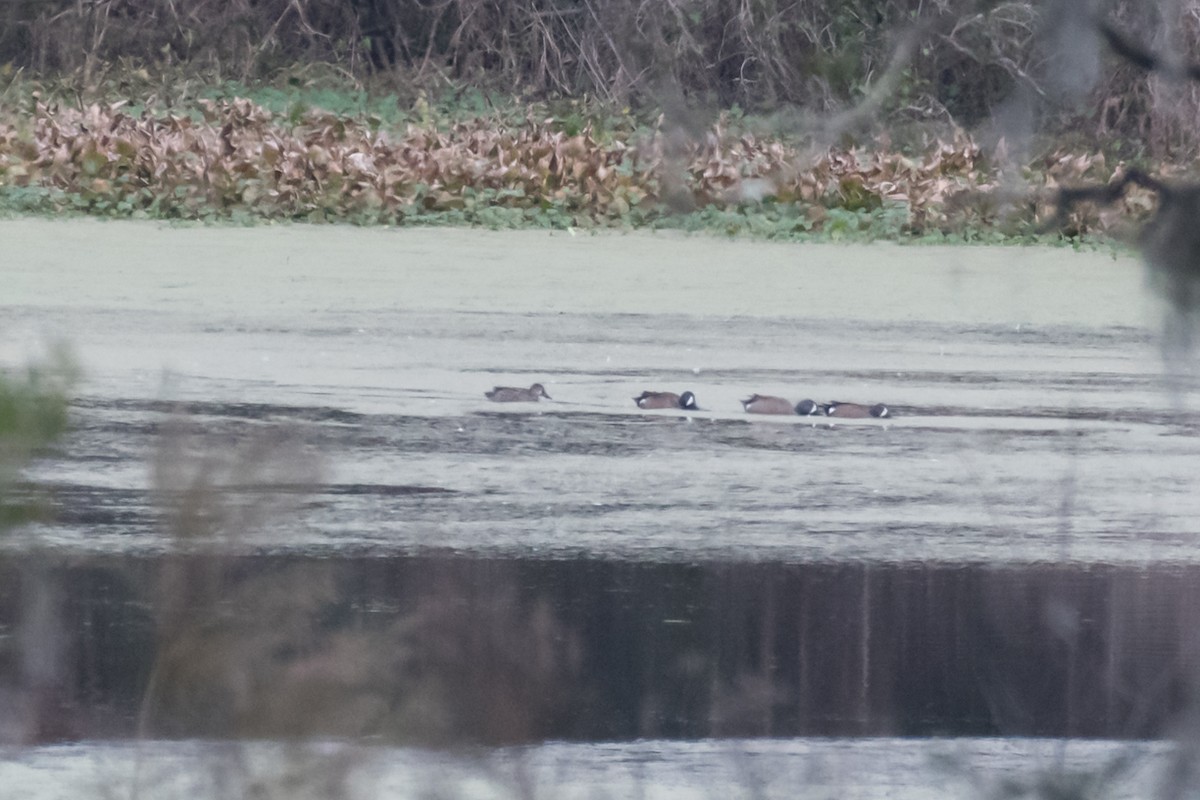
point(452, 649)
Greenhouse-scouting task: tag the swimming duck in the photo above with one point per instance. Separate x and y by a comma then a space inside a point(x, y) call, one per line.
point(807, 408)
point(510, 394)
point(856, 410)
point(687, 400)
point(765, 404)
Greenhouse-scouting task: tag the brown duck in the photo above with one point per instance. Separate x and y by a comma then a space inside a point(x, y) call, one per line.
point(856, 410)
point(511, 394)
point(766, 404)
point(686, 401)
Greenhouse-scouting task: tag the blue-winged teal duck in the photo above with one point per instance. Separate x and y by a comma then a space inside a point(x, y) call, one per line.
point(765, 404)
point(856, 410)
point(510, 394)
point(686, 401)
point(807, 408)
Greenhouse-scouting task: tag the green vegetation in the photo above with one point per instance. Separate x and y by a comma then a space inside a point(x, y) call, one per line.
point(33, 413)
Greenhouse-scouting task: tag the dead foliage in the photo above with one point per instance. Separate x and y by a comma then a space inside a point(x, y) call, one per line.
point(236, 159)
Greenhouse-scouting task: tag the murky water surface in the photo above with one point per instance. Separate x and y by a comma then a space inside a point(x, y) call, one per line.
point(1032, 420)
point(325, 386)
point(896, 769)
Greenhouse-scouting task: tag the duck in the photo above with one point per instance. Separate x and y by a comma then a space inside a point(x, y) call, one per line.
point(511, 394)
point(856, 410)
point(807, 408)
point(765, 404)
point(686, 401)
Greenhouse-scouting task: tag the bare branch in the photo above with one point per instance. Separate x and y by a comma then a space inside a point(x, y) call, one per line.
point(1133, 52)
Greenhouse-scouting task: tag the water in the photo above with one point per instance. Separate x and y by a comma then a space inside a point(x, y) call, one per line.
point(897, 769)
point(1013, 553)
point(523, 650)
point(1033, 421)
